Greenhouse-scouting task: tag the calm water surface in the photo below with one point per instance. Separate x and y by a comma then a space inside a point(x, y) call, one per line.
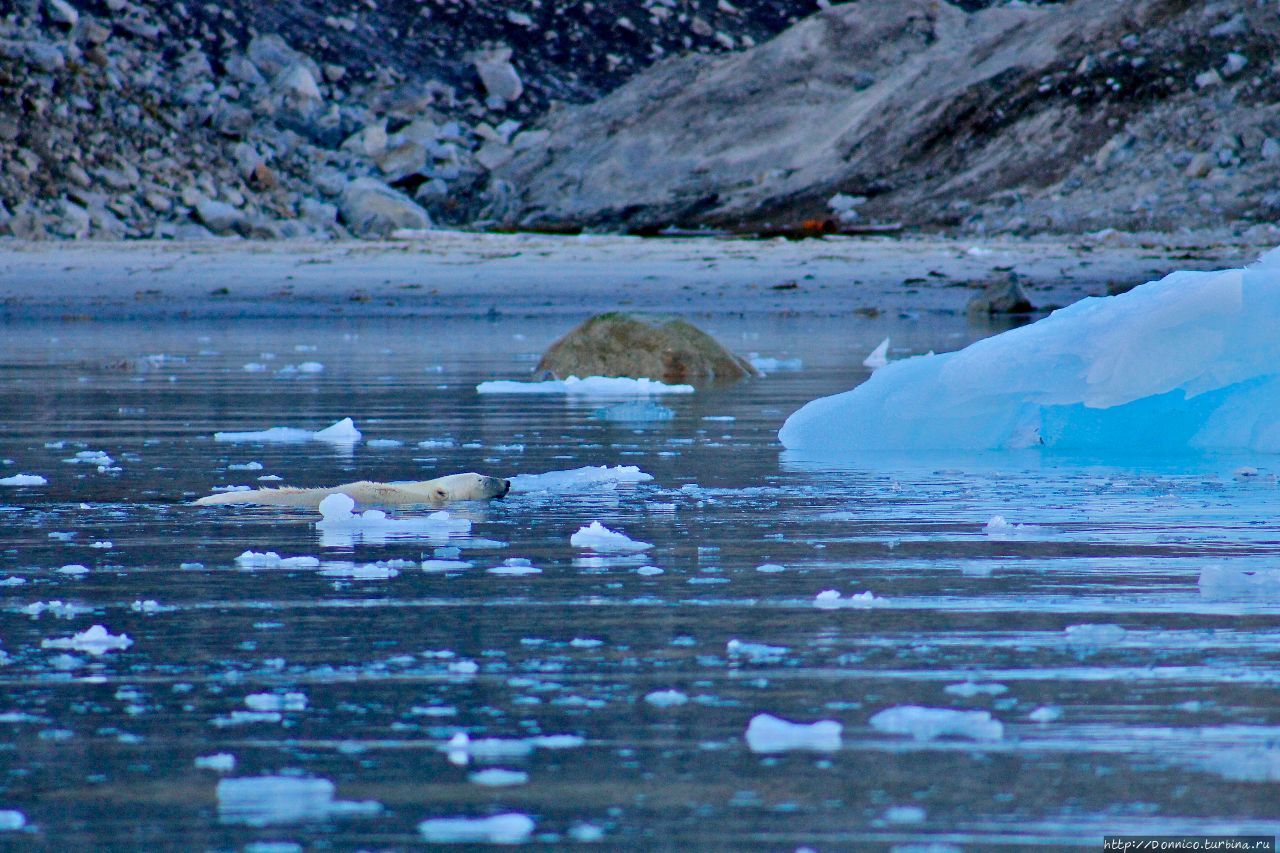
point(1163, 717)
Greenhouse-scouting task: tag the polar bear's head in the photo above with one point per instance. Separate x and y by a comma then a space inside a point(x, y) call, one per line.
point(468, 487)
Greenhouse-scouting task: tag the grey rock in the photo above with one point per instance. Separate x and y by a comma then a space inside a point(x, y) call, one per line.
point(247, 159)
point(218, 216)
point(240, 69)
point(231, 120)
point(1200, 166)
point(409, 158)
point(497, 74)
point(191, 231)
point(272, 56)
point(298, 90)
point(1000, 297)
point(106, 225)
point(72, 222)
point(94, 33)
point(1270, 149)
point(61, 12)
point(370, 141)
point(318, 214)
point(1234, 64)
point(46, 57)
point(658, 347)
point(493, 155)
point(370, 208)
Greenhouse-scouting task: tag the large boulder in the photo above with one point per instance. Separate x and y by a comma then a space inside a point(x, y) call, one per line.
point(370, 208)
point(639, 345)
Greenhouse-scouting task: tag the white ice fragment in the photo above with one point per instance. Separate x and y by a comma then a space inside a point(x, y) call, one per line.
point(62, 536)
point(829, 599)
point(268, 800)
point(511, 828)
point(383, 442)
point(1093, 635)
point(191, 565)
point(276, 701)
point(586, 833)
point(772, 567)
point(1226, 582)
point(666, 698)
point(929, 723)
point(24, 480)
point(648, 570)
point(768, 365)
point(367, 572)
point(254, 367)
point(767, 733)
point(11, 819)
point(247, 466)
point(310, 367)
point(63, 610)
point(104, 544)
point(96, 641)
point(904, 814)
point(578, 478)
point(231, 489)
point(599, 538)
point(436, 443)
point(591, 386)
point(444, 565)
point(496, 777)
point(515, 566)
point(337, 515)
point(999, 529)
point(878, 357)
point(1186, 364)
point(150, 607)
point(755, 652)
point(341, 432)
point(74, 569)
point(221, 762)
point(634, 411)
point(969, 689)
point(1045, 714)
point(272, 560)
point(13, 580)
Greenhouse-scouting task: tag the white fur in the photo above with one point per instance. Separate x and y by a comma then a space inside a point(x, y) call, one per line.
point(442, 490)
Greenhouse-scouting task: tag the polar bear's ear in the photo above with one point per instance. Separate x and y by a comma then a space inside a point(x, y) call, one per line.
point(441, 493)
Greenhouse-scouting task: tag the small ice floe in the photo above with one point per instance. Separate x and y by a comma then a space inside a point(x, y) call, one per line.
point(1225, 583)
point(666, 698)
point(221, 762)
point(104, 544)
point(254, 367)
point(830, 599)
point(437, 444)
point(247, 466)
point(11, 820)
point(648, 571)
point(310, 367)
point(73, 569)
point(515, 566)
point(999, 529)
point(496, 777)
point(341, 432)
point(1094, 635)
point(383, 442)
point(591, 386)
point(12, 580)
point(1250, 764)
point(272, 560)
point(634, 411)
point(768, 365)
point(586, 833)
point(589, 476)
point(91, 457)
point(445, 565)
point(599, 538)
point(767, 733)
point(150, 607)
point(231, 489)
point(62, 536)
point(755, 652)
point(95, 641)
point(24, 480)
point(969, 689)
point(268, 800)
point(63, 610)
point(510, 828)
point(373, 524)
point(291, 701)
point(379, 571)
point(1045, 714)
point(770, 567)
point(929, 723)
point(878, 357)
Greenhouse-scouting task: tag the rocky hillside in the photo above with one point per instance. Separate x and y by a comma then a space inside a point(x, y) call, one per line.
point(1131, 114)
point(154, 118)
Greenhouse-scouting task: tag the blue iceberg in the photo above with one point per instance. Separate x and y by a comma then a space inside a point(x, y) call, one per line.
point(1189, 363)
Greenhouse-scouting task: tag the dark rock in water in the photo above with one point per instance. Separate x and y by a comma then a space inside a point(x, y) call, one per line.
point(643, 346)
point(1001, 297)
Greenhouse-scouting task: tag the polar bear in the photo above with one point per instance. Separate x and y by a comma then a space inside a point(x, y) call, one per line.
point(455, 487)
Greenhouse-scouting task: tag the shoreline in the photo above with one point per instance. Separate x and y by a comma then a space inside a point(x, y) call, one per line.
point(463, 274)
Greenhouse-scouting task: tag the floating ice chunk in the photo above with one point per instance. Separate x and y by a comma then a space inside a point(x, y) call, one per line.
point(768, 365)
point(24, 480)
point(578, 478)
point(772, 567)
point(232, 489)
point(634, 411)
point(1260, 764)
point(767, 733)
point(666, 698)
point(242, 718)
point(829, 599)
point(444, 565)
point(878, 357)
point(341, 432)
point(591, 386)
point(437, 443)
point(276, 701)
point(586, 833)
point(1045, 714)
point(11, 819)
point(254, 367)
point(969, 689)
point(337, 516)
point(599, 538)
point(1225, 582)
point(310, 367)
point(63, 610)
point(105, 544)
point(648, 571)
point(13, 580)
point(222, 762)
point(150, 607)
point(930, 723)
point(272, 560)
point(91, 457)
point(999, 529)
point(378, 571)
point(1094, 635)
point(62, 536)
point(73, 569)
point(1188, 363)
point(496, 777)
point(267, 800)
point(383, 442)
point(511, 828)
point(515, 566)
point(96, 641)
point(755, 652)
point(247, 466)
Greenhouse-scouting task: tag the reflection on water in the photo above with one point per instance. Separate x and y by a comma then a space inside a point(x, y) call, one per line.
point(497, 683)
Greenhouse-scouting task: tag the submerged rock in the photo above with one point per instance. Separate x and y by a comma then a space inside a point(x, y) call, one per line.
point(1001, 297)
point(643, 346)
